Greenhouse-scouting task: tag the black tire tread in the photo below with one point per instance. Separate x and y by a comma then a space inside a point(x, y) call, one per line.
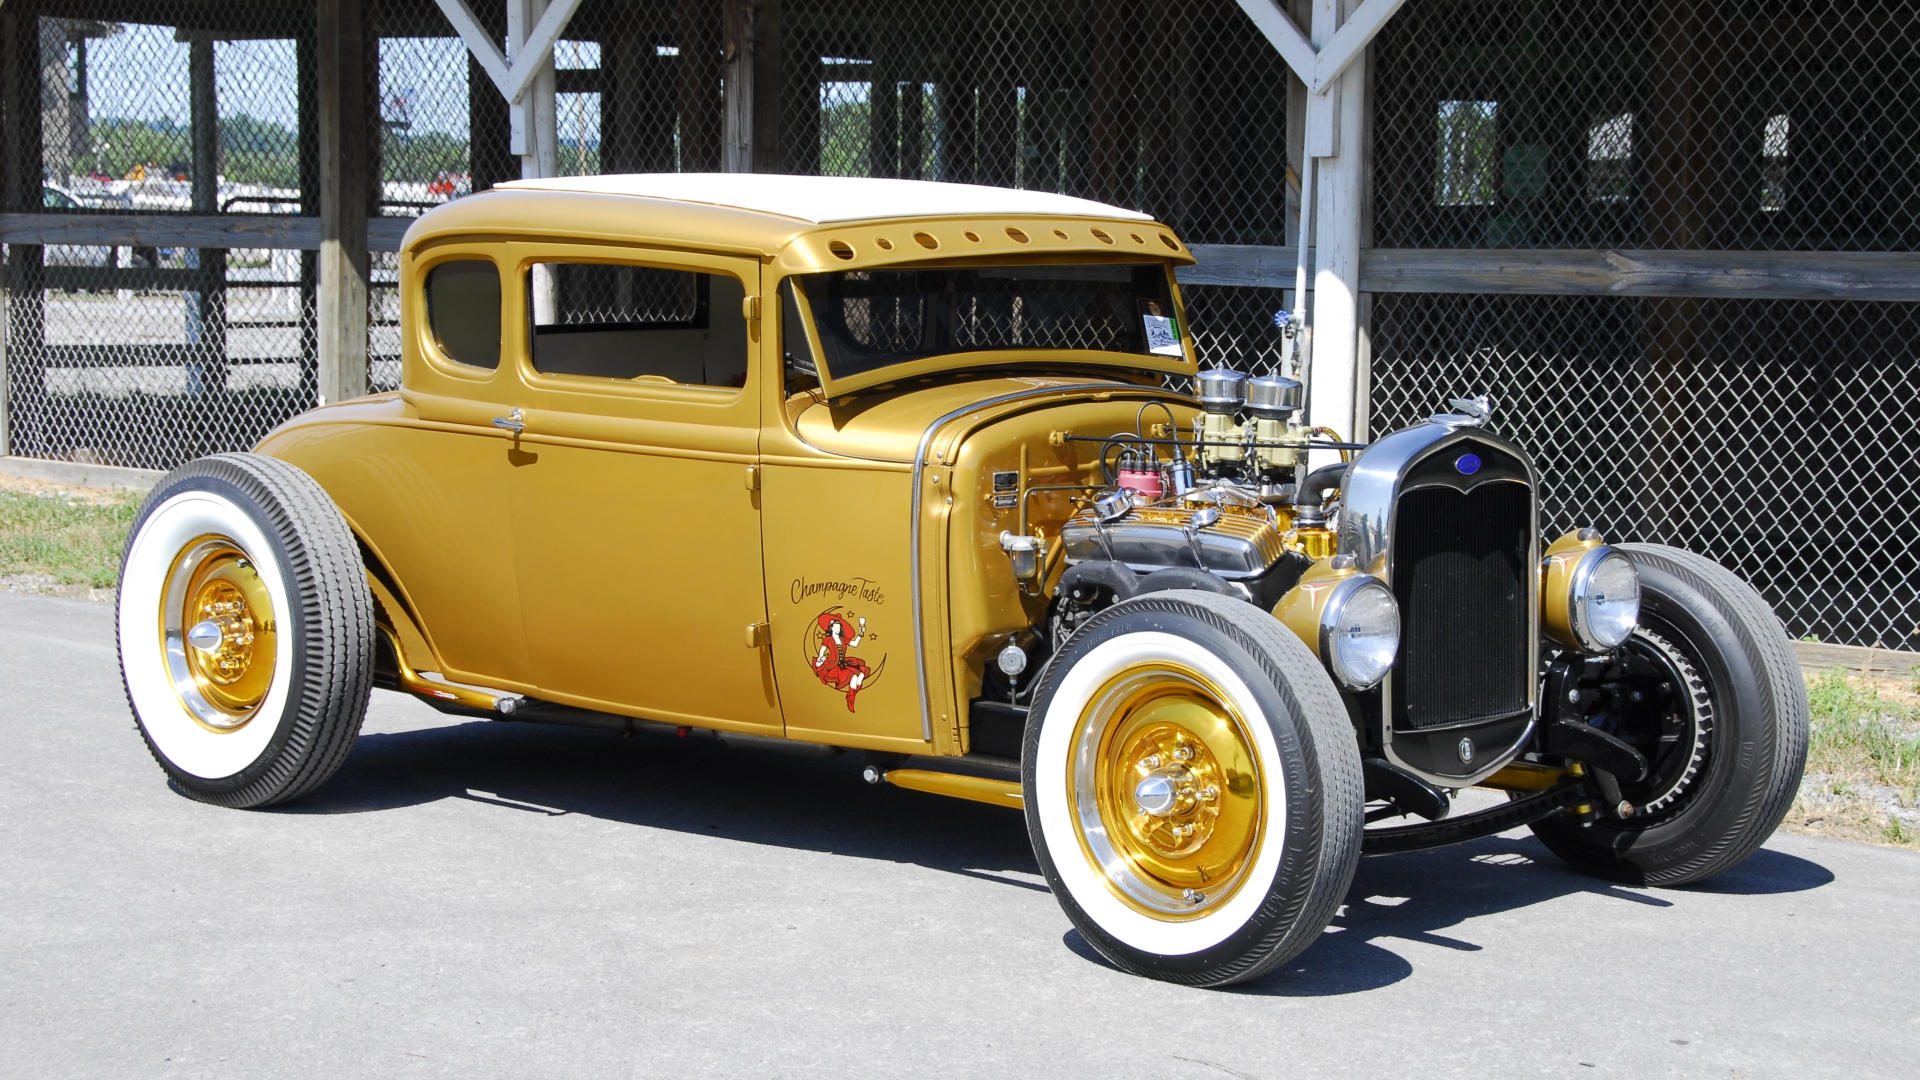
point(334, 669)
point(1331, 754)
point(1770, 654)
point(1780, 726)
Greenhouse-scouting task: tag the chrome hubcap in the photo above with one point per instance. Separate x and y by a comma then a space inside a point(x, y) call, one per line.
point(206, 636)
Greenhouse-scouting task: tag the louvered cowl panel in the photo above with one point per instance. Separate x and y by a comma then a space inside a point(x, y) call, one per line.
point(1460, 563)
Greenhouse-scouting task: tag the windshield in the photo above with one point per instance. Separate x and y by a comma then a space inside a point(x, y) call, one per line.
point(870, 319)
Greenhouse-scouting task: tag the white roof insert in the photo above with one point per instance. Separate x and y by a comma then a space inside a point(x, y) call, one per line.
point(823, 199)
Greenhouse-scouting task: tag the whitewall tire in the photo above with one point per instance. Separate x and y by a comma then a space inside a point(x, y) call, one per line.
point(1192, 788)
point(245, 630)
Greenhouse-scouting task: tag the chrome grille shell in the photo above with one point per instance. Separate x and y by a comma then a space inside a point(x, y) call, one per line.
point(1379, 479)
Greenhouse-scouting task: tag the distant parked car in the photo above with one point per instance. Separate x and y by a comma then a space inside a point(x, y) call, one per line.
point(54, 197)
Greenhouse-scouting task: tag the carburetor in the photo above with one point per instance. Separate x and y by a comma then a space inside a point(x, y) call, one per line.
point(1248, 452)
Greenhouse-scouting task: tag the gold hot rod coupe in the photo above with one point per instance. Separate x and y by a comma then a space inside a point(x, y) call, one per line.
point(902, 467)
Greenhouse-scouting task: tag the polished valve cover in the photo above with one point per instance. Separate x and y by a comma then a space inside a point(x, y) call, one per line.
point(1243, 543)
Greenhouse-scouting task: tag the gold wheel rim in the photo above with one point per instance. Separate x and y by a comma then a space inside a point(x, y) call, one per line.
point(219, 633)
point(1167, 792)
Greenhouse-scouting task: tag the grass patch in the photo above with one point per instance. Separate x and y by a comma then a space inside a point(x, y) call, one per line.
point(1863, 760)
point(75, 540)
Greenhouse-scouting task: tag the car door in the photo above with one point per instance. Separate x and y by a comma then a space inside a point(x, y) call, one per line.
point(427, 484)
point(636, 508)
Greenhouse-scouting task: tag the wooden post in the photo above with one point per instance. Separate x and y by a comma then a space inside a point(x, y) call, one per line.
point(701, 44)
point(207, 366)
point(738, 67)
point(883, 101)
point(26, 265)
point(1339, 233)
point(1110, 130)
point(765, 156)
point(536, 123)
point(345, 178)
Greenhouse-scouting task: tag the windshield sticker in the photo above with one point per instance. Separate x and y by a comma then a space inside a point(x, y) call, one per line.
point(1163, 335)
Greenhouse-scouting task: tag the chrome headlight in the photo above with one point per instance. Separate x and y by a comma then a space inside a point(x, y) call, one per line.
point(1360, 632)
point(1603, 605)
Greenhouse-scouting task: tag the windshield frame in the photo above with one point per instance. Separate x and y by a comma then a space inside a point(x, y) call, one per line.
point(1007, 358)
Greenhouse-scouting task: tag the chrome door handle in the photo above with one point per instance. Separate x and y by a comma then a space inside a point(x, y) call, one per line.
point(515, 421)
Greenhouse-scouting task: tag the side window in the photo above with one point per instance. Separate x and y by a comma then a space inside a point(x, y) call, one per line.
point(463, 310)
point(801, 371)
point(648, 323)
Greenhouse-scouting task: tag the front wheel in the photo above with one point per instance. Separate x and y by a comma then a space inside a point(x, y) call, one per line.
point(1723, 724)
point(1192, 787)
point(246, 630)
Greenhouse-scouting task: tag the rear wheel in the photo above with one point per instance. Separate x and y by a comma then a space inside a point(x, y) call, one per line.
point(1192, 788)
point(246, 630)
point(1722, 720)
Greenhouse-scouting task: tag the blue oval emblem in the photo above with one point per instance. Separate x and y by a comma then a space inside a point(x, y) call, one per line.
point(1467, 464)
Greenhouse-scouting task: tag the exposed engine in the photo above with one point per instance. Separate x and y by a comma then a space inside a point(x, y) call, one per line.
point(1224, 509)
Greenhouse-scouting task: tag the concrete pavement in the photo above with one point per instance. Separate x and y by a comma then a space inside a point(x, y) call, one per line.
point(470, 898)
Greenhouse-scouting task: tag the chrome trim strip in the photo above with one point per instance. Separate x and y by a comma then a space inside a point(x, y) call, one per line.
point(919, 466)
point(1367, 503)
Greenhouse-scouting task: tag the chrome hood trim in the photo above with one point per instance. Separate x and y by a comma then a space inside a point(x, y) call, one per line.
point(919, 468)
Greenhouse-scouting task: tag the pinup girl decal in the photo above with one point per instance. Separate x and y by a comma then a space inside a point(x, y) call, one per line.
point(831, 641)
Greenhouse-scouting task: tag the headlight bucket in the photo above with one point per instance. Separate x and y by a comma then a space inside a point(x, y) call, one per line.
point(1349, 619)
point(1590, 593)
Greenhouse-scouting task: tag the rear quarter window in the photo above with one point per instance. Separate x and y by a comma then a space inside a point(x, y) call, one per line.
point(463, 311)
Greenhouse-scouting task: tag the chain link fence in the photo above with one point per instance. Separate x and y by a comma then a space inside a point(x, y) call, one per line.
point(1696, 124)
point(1766, 433)
point(1774, 435)
point(149, 355)
point(1178, 110)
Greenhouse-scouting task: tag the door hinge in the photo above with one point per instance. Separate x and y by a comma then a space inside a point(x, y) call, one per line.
point(750, 308)
point(753, 478)
point(759, 635)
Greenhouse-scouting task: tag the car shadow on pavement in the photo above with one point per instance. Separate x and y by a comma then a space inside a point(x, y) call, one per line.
point(1424, 897)
point(696, 785)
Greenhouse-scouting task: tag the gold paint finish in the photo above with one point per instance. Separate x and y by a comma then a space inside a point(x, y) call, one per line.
point(420, 686)
point(1173, 816)
point(1313, 542)
point(1301, 607)
point(977, 788)
point(219, 585)
point(1525, 776)
point(1556, 583)
point(610, 555)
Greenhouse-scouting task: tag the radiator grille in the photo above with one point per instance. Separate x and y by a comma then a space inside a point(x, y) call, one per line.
point(1460, 574)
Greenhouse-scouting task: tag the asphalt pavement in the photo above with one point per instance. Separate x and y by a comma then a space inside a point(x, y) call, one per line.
point(472, 899)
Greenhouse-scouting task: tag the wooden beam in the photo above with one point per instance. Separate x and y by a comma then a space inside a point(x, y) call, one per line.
point(345, 175)
point(276, 231)
point(1763, 275)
